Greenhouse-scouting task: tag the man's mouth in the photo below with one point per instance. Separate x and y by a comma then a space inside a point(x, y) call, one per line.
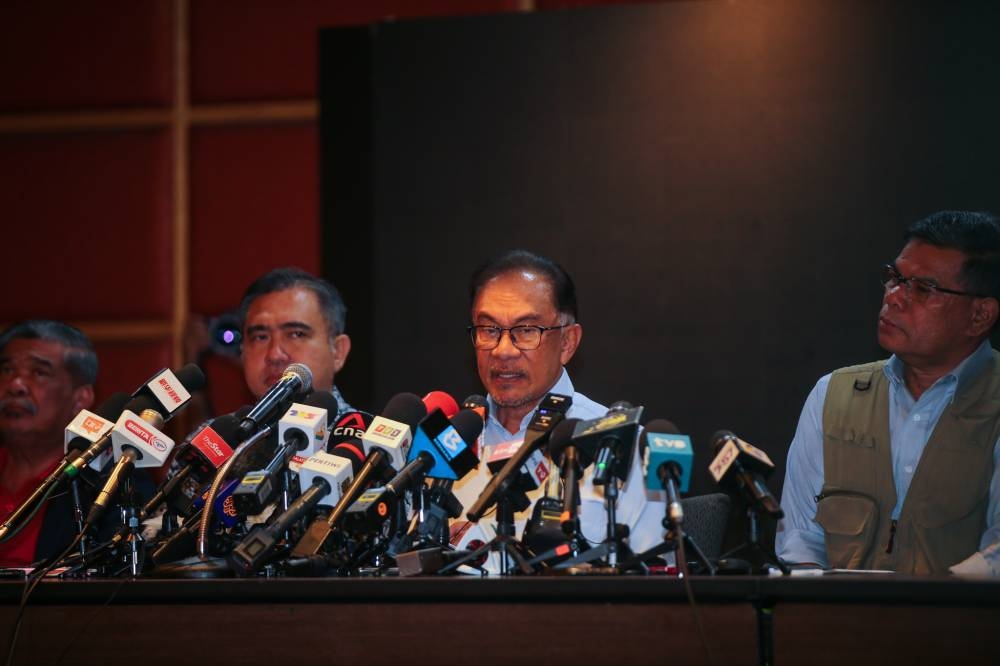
point(13, 407)
point(506, 375)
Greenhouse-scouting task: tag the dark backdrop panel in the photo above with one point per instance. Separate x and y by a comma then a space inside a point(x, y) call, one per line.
point(721, 179)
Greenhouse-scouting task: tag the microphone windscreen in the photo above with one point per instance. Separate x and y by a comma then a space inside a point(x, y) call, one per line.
point(720, 438)
point(324, 400)
point(562, 436)
point(352, 449)
point(113, 406)
point(440, 400)
point(406, 408)
point(142, 402)
point(468, 424)
point(191, 377)
point(663, 425)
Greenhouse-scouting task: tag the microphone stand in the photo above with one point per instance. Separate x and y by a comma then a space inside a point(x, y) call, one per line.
point(671, 542)
point(503, 543)
point(755, 549)
point(78, 517)
point(611, 546)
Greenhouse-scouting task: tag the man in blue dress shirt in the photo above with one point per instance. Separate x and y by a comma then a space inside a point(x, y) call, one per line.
point(894, 463)
point(525, 330)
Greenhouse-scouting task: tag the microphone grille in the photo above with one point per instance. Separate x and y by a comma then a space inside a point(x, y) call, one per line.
point(304, 374)
point(191, 377)
point(468, 424)
point(720, 438)
point(665, 426)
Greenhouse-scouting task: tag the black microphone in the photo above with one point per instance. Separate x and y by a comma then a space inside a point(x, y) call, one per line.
point(295, 381)
point(448, 447)
point(609, 441)
point(551, 410)
point(571, 462)
point(199, 460)
point(138, 443)
point(165, 392)
point(480, 406)
point(303, 429)
point(741, 466)
point(88, 427)
point(544, 530)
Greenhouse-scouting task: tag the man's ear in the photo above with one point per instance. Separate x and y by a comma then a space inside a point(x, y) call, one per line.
point(83, 397)
point(570, 340)
point(341, 348)
point(984, 316)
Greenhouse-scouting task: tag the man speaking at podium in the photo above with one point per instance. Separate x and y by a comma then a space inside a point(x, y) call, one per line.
point(524, 330)
point(894, 463)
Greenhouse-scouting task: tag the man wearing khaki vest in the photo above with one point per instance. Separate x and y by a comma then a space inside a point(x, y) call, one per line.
point(894, 463)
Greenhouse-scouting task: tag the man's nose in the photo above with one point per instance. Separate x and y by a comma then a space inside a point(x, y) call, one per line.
point(276, 351)
point(896, 296)
point(505, 348)
point(16, 385)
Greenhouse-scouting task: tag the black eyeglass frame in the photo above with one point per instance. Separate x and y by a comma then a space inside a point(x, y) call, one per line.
point(513, 338)
point(890, 274)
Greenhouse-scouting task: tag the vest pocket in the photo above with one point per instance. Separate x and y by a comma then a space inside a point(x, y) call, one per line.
point(850, 521)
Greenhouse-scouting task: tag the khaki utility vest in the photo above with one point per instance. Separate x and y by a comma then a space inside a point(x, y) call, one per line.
point(944, 514)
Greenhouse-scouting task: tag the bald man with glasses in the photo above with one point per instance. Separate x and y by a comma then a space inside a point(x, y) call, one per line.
point(894, 463)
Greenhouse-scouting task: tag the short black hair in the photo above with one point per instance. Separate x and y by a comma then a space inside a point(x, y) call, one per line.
point(511, 261)
point(80, 358)
point(976, 235)
point(331, 304)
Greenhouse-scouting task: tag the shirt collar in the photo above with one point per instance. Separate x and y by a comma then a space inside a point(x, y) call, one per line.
point(961, 374)
point(563, 386)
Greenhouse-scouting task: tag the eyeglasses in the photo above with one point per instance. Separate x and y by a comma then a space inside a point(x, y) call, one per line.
point(524, 338)
point(919, 290)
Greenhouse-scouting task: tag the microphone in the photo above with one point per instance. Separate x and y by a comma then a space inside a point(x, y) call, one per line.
point(302, 431)
point(448, 451)
point(551, 410)
point(324, 477)
point(295, 381)
point(166, 393)
point(571, 461)
point(608, 441)
point(740, 465)
point(386, 443)
point(172, 391)
point(449, 442)
point(88, 427)
point(137, 442)
point(391, 432)
point(667, 458)
point(440, 400)
point(478, 404)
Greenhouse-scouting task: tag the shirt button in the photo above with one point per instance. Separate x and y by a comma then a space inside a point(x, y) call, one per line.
point(908, 469)
point(916, 417)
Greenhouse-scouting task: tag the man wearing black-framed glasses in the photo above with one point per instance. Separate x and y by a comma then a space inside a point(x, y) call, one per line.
point(524, 331)
point(894, 463)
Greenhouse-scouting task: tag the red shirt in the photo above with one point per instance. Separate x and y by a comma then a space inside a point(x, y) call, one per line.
point(20, 551)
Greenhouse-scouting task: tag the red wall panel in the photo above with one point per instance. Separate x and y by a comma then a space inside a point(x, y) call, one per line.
point(244, 50)
point(126, 365)
point(68, 54)
point(254, 206)
point(87, 223)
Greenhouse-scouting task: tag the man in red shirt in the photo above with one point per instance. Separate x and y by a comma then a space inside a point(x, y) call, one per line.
point(47, 372)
